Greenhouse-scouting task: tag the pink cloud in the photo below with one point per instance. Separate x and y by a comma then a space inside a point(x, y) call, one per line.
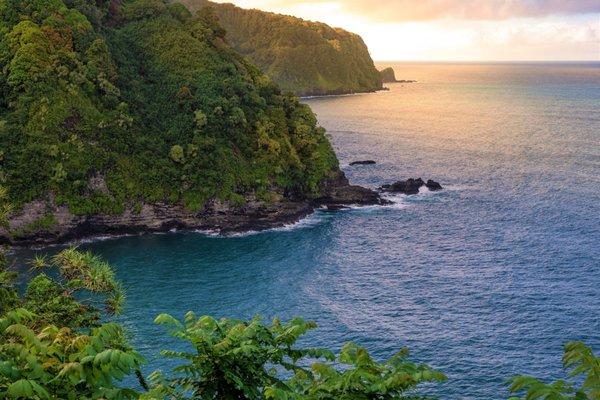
point(415, 10)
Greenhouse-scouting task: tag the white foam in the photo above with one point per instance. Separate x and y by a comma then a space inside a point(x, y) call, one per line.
point(456, 188)
point(398, 201)
point(100, 238)
point(207, 232)
point(326, 96)
point(424, 191)
point(307, 222)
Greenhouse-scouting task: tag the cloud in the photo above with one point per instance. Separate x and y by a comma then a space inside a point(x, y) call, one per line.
point(419, 10)
point(458, 29)
point(548, 38)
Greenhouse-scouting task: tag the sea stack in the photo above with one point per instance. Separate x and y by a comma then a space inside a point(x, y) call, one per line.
point(388, 75)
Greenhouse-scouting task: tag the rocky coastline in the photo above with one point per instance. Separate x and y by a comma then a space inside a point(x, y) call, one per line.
point(338, 93)
point(218, 216)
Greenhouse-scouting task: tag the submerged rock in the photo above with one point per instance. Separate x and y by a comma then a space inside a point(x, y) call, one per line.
point(410, 186)
point(363, 162)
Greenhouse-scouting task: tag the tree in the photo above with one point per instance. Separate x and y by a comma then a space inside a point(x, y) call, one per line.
point(244, 360)
point(231, 359)
point(61, 301)
point(52, 345)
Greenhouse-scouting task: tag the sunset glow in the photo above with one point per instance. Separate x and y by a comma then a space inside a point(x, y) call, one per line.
point(459, 30)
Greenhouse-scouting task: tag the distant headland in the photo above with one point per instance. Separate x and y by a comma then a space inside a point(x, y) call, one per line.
point(304, 57)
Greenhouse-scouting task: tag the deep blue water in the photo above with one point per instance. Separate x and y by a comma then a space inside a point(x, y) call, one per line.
point(484, 280)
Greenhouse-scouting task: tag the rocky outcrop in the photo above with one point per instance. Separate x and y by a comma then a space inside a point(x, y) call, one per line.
point(254, 215)
point(337, 190)
point(433, 185)
point(388, 75)
point(410, 186)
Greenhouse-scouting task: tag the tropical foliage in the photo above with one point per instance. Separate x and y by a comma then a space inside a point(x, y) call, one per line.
point(584, 384)
point(307, 58)
point(105, 105)
point(59, 363)
point(53, 346)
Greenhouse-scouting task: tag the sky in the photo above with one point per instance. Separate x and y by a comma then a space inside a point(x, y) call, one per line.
point(458, 30)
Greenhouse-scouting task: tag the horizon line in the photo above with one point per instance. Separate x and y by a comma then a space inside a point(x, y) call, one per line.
point(491, 61)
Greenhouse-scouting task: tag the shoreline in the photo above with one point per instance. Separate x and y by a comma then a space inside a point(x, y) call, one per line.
point(229, 223)
point(222, 217)
point(304, 96)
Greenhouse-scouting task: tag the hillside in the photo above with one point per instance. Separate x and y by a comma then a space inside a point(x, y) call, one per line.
point(307, 58)
point(134, 115)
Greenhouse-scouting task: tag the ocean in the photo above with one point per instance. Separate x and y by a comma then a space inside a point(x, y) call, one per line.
point(483, 280)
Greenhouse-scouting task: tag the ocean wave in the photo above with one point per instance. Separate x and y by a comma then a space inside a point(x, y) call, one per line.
point(310, 221)
point(100, 238)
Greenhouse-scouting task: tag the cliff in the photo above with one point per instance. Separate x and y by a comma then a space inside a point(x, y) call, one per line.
point(307, 58)
point(135, 115)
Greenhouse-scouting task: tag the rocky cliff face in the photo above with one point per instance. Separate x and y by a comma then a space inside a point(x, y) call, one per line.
point(307, 58)
point(223, 217)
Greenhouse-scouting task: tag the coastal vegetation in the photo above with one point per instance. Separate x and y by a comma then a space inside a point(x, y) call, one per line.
point(54, 346)
point(109, 105)
point(304, 57)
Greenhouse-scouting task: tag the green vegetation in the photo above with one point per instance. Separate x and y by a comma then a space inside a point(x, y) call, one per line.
point(307, 58)
point(53, 346)
point(585, 369)
point(108, 104)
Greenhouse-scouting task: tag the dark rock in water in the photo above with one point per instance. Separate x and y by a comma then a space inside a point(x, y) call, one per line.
point(409, 186)
point(365, 162)
point(388, 75)
point(337, 191)
point(433, 185)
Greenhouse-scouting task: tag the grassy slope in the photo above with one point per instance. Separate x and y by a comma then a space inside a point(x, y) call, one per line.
point(303, 57)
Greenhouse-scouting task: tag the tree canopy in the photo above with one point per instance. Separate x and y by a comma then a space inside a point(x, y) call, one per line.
point(106, 105)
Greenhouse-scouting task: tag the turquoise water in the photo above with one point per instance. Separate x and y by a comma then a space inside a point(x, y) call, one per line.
point(484, 280)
